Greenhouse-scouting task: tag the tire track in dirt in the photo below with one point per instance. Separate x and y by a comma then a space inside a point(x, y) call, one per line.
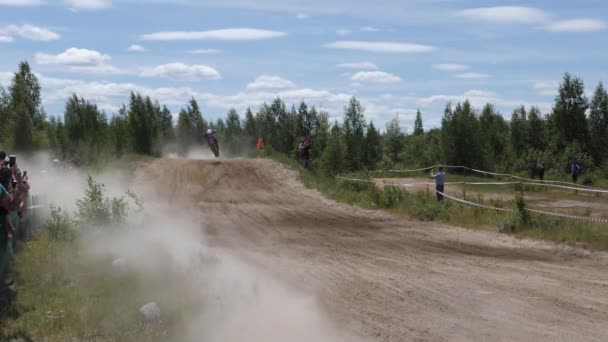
point(387, 277)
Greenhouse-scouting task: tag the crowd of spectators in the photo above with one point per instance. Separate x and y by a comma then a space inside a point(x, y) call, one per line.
point(14, 192)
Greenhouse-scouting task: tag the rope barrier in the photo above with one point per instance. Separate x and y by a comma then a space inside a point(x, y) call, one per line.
point(547, 183)
point(489, 207)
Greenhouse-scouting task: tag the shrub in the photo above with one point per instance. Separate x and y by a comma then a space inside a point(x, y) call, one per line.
point(97, 210)
point(59, 226)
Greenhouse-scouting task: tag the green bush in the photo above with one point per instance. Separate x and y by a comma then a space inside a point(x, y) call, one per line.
point(59, 226)
point(426, 208)
point(97, 210)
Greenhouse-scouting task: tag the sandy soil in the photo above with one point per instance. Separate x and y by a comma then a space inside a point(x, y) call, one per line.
point(385, 277)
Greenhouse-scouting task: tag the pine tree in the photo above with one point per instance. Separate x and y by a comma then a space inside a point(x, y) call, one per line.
point(31, 94)
point(5, 117)
point(119, 132)
point(250, 127)
point(394, 140)
point(183, 132)
point(494, 135)
point(461, 136)
point(598, 124)
point(418, 129)
point(166, 125)
point(354, 134)
point(536, 126)
point(519, 131)
point(373, 147)
point(333, 159)
point(199, 125)
point(232, 133)
point(568, 115)
point(23, 128)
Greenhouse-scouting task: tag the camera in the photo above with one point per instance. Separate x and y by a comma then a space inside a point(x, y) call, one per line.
point(12, 160)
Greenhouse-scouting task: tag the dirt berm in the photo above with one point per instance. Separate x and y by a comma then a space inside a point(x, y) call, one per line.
point(388, 277)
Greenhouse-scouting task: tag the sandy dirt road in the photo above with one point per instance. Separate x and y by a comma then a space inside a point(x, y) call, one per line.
point(385, 277)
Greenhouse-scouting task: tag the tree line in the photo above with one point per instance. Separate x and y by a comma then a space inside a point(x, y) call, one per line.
point(576, 128)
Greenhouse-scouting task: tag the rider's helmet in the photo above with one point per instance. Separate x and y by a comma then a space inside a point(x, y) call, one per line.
point(209, 131)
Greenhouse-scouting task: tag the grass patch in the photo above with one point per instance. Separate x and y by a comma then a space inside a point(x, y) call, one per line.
point(423, 206)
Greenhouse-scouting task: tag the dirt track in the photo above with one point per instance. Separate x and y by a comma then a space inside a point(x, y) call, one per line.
point(387, 277)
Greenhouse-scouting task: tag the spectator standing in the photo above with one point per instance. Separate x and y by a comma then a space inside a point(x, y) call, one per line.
point(576, 169)
point(439, 183)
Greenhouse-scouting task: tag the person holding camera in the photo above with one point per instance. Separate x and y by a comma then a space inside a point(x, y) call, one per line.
point(11, 199)
point(439, 183)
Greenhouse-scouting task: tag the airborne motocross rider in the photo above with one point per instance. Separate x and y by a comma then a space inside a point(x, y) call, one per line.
point(211, 136)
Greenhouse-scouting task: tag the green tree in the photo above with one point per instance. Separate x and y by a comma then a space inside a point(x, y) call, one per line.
point(250, 129)
point(144, 124)
point(119, 132)
point(285, 126)
point(86, 129)
point(372, 148)
point(460, 136)
point(494, 135)
point(333, 159)
point(321, 135)
point(23, 128)
point(598, 124)
point(232, 134)
point(394, 140)
point(184, 131)
point(199, 125)
point(536, 126)
point(418, 128)
point(5, 117)
point(166, 126)
point(519, 131)
point(30, 88)
point(354, 134)
point(568, 115)
point(267, 124)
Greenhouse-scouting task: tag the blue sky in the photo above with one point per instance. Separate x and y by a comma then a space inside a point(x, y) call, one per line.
point(395, 56)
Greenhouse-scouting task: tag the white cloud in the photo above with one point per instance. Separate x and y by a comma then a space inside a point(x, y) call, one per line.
point(240, 101)
point(370, 29)
point(451, 67)
point(182, 71)
point(343, 32)
point(5, 78)
point(88, 4)
point(546, 88)
point(270, 82)
point(505, 14)
point(30, 32)
point(205, 51)
point(360, 65)
point(478, 98)
point(6, 39)
point(80, 60)
point(59, 89)
point(21, 3)
point(74, 57)
point(97, 69)
point(136, 48)
point(472, 76)
point(302, 16)
point(375, 77)
point(577, 25)
point(381, 47)
point(225, 34)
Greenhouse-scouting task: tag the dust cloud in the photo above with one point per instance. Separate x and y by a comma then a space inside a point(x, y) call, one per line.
point(206, 292)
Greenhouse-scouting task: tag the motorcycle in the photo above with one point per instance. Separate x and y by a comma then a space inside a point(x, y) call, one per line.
point(213, 145)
